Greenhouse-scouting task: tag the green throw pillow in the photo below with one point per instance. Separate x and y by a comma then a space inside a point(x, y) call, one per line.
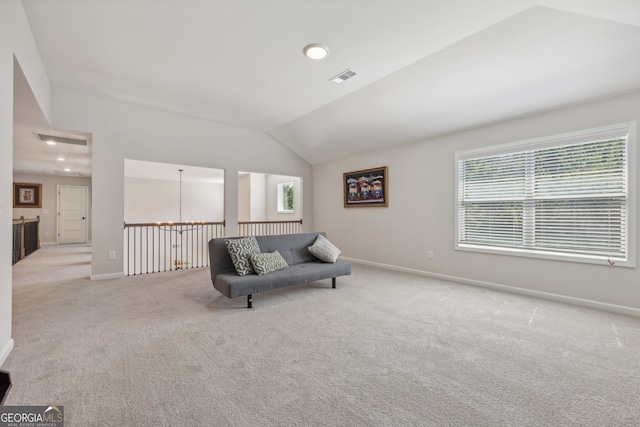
point(268, 262)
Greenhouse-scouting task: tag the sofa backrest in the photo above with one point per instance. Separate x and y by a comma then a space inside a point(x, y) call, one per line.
point(294, 248)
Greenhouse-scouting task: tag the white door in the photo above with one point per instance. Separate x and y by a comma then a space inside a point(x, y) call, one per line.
point(72, 214)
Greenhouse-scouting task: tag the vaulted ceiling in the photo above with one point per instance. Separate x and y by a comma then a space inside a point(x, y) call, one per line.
point(424, 68)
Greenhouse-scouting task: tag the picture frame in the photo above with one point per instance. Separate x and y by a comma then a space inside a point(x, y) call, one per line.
point(366, 188)
point(27, 195)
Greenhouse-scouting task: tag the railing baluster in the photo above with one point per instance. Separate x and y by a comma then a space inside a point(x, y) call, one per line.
point(26, 237)
point(185, 245)
point(135, 230)
point(178, 246)
point(257, 228)
point(146, 250)
point(153, 244)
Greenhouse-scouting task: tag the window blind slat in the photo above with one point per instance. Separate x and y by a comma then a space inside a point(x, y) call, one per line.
point(569, 197)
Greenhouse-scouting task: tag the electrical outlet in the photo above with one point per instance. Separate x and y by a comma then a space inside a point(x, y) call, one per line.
point(112, 254)
point(430, 254)
point(46, 234)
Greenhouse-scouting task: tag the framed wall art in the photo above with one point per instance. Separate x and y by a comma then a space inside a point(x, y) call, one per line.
point(27, 195)
point(367, 187)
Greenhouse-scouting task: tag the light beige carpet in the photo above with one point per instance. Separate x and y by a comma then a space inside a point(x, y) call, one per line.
point(383, 349)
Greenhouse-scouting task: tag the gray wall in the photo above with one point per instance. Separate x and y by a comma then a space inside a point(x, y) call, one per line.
point(15, 40)
point(271, 201)
point(421, 213)
point(259, 197)
point(48, 212)
point(153, 200)
point(123, 130)
point(421, 176)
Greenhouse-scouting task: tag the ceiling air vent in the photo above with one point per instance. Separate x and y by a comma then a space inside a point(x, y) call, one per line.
point(62, 139)
point(345, 75)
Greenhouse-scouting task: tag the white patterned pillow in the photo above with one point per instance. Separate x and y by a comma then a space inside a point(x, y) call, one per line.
point(268, 262)
point(240, 250)
point(323, 249)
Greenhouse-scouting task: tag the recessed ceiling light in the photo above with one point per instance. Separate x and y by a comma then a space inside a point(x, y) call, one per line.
point(67, 170)
point(61, 159)
point(315, 51)
point(51, 142)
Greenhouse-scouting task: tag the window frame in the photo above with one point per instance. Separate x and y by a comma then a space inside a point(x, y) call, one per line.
point(280, 197)
point(549, 142)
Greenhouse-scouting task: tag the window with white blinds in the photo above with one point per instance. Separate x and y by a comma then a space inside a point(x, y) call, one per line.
point(564, 197)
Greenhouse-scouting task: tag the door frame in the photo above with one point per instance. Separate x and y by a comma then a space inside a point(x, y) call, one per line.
point(86, 210)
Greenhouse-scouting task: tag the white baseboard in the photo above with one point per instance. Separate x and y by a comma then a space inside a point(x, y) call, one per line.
point(69, 244)
point(522, 291)
point(107, 276)
point(6, 351)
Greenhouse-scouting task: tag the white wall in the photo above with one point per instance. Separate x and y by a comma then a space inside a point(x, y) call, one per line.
point(272, 198)
point(420, 216)
point(244, 197)
point(123, 130)
point(258, 208)
point(48, 213)
point(258, 197)
point(15, 39)
point(150, 200)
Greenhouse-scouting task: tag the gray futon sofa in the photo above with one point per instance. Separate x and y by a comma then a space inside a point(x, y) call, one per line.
point(303, 266)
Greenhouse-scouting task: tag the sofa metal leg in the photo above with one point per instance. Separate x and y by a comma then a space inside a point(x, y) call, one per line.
point(333, 282)
point(249, 301)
